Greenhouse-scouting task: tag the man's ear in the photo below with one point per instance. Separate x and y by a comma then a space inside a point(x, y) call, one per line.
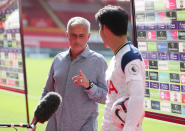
point(89, 35)
point(107, 30)
point(67, 34)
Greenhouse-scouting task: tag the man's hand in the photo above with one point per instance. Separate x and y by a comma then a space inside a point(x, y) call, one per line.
point(32, 124)
point(81, 80)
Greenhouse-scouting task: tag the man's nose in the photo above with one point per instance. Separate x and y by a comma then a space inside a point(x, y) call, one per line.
point(77, 38)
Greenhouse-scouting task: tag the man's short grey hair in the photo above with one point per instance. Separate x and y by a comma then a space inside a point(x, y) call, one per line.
point(78, 21)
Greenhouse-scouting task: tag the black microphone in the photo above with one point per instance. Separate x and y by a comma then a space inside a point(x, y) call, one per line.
point(47, 107)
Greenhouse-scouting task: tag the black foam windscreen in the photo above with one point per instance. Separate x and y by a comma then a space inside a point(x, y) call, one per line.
point(47, 106)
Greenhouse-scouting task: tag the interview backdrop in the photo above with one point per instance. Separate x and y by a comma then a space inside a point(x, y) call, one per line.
point(13, 90)
point(160, 26)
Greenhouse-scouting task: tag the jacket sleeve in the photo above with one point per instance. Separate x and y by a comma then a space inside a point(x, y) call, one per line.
point(99, 91)
point(135, 78)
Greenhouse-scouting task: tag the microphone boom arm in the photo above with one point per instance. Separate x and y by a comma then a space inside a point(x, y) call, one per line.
point(15, 125)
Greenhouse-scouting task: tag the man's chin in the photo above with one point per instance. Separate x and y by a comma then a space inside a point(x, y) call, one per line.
point(78, 49)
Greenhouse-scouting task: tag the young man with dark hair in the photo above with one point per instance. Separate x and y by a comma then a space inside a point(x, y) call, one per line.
point(125, 75)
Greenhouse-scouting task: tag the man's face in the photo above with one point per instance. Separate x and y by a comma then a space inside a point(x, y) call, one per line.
point(102, 34)
point(78, 36)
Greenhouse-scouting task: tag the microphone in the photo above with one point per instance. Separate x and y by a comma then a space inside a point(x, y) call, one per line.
point(46, 107)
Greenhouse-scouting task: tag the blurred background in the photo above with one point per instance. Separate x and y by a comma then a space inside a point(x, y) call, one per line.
point(45, 23)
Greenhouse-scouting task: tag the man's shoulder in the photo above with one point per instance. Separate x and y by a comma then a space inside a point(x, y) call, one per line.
point(129, 56)
point(98, 59)
point(96, 55)
point(61, 55)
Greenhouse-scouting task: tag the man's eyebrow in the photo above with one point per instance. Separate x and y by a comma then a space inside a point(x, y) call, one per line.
point(77, 34)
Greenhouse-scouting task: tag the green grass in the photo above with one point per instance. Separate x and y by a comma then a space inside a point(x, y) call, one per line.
point(12, 105)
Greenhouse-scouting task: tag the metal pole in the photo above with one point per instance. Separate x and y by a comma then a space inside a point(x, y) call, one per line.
point(23, 59)
point(133, 22)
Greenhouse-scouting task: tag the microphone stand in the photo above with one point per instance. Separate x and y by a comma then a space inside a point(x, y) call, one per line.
point(15, 125)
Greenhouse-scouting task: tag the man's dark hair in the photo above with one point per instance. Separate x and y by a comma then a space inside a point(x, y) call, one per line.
point(115, 18)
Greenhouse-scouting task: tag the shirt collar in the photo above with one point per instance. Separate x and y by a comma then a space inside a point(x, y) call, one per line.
point(121, 47)
point(85, 53)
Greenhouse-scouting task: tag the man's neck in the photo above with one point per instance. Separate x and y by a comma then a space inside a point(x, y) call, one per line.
point(75, 54)
point(117, 42)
